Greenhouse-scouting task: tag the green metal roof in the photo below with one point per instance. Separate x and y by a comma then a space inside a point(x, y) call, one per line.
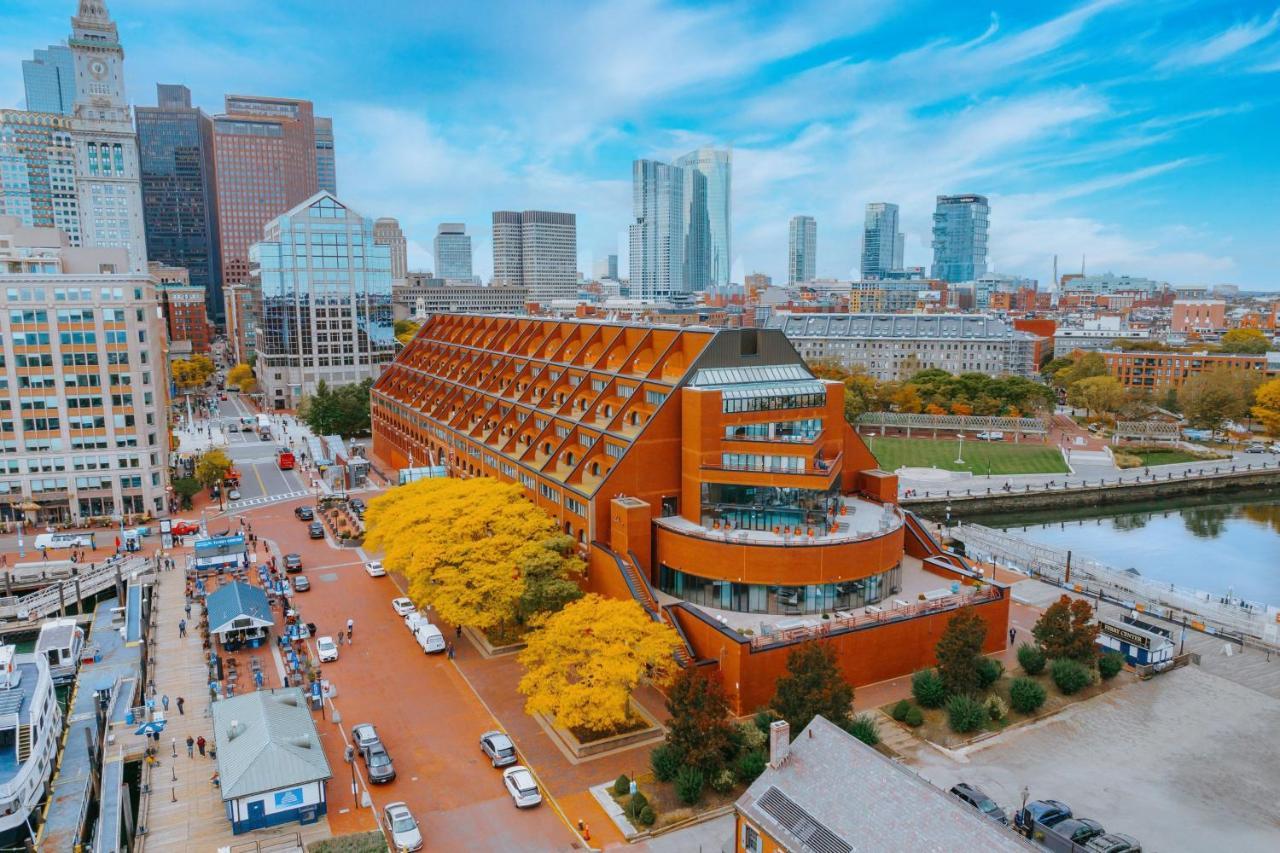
point(266, 741)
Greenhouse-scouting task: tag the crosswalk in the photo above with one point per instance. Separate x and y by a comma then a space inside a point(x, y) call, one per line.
point(267, 499)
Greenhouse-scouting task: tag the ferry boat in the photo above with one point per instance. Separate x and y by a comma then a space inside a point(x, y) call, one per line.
point(60, 643)
point(30, 726)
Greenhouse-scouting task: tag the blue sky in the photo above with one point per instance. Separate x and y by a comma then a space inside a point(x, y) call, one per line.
point(1145, 135)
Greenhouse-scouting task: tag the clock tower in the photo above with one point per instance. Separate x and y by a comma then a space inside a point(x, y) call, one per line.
point(108, 181)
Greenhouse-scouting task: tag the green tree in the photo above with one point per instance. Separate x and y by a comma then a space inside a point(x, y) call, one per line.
point(959, 651)
point(1066, 630)
point(550, 574)
point(813, 685)
point(1102, 394)
point(1210, 399)
point(1087, 365)
point(343, 410)
point(700, 730)
point(1251, 341)
point(186, 488)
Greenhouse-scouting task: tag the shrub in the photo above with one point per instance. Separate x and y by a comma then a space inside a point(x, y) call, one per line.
point(863, 727)
point(646, 816)
point(914, 718)
point(1110, 664)
point(996, 709)
point(900, 710)
point(1031, 658)
point(750, 765)
point(722, 782)
point(635, 805)
point(965, 714)
point(751, 737)
point(622, 786)
point(1126, 460)
point(763, 719)
point(989, 672)
point(689, 782)
point(665, 762)
point(1071, 677)
point(1026, 695)
point(927, 687)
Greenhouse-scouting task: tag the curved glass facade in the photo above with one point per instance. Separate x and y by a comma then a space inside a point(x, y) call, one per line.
point(779, 599)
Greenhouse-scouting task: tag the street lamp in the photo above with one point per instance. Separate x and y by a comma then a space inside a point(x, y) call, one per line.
point(960, 451)
point(948, 519)
point(350, 758)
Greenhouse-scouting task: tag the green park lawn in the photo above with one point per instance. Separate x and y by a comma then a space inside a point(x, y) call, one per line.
point(1165, 457)
point(980, 457)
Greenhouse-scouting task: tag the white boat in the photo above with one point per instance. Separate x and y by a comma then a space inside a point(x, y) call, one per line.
point(60, 643)
point(30, 727)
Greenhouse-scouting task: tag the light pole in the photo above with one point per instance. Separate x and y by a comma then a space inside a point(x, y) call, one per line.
point(948, 519)
point(350, 758)
point(960, 450)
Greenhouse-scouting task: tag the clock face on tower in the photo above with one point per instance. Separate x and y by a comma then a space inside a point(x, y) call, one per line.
point(98, 68)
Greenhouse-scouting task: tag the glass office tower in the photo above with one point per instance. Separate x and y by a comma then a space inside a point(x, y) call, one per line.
point(708, 217)
point(960, 225)
point(882, 242)
point(50, 81)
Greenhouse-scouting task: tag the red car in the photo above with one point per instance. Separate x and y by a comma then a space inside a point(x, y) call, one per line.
point(184, 528)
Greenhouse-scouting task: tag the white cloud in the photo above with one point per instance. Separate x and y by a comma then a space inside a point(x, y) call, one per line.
point(1224, 45)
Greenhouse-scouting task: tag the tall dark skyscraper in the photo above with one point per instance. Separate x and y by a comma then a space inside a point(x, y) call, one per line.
point(179, 193)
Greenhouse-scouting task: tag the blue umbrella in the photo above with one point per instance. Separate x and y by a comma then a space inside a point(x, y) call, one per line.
point(155, 726)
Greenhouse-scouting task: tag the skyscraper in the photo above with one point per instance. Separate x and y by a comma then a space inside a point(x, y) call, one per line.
point(658, 233)
point(960, 225)
point(882, 242)
point(453, 252)
point(265, 163)
point(50, 80)
point(708, 217)
point(179, 192)
point(386, 232)
point(37, 171)
point(108, 185)
point(326, 164)
point(802, 252)
point(325, 290)
point(606, 267)
point(537, 250)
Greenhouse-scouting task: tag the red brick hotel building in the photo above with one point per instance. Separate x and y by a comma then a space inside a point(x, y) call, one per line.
point(706, 473)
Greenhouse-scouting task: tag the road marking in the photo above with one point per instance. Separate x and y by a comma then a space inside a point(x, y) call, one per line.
point(265, 499)
point(262, 487)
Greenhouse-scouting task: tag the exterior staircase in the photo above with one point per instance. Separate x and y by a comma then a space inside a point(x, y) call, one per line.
point(643, 593)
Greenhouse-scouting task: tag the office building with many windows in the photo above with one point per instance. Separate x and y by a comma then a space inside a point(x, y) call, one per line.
point(326, 159)
point(83, 393)
point(960, 225)
point(536, 250)
point(323, 287)
point(708, 217)
point(453, 252)
point(802, 250)
point(38, 171)
point(386, 232)
point(882, 241)
point(657, 232)
point(422, 295)
point(179, 190)
point(50, 81)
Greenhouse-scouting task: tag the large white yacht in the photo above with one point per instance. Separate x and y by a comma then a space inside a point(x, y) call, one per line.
point(30, 725)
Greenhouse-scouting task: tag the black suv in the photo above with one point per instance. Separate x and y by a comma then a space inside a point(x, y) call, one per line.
point(980, 801)
point(316, 530)
point(304, 513)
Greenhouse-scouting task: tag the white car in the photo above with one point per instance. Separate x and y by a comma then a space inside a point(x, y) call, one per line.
point(405, 834)
point(991, 436)
point(375, 569)
point(520, 785)
point(415, 620)
point(402, 606)
point(328, 649)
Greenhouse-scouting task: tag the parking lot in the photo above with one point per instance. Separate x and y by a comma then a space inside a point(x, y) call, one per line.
point(1186, 761)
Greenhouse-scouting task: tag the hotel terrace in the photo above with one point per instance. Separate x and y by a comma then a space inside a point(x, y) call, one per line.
point(705, 473)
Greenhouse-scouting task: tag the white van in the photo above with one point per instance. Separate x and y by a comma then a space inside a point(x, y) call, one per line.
point(430, 638)
point(65, 540)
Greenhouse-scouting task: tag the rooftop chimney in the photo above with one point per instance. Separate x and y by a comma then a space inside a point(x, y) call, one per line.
point(779, 742)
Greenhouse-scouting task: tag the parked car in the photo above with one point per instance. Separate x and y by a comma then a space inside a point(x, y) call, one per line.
point(430, 638)
point(416, 620)
point(292, 563)
point(402, 606)
point(365, 736)
point(980, 801)
point(1114, 842)
point(357, 505)
point(305, 513)
point(1070, 832)
point(181, 527)
point(521, 786)
point(991, 436)
point(405, 834)
point(301, 584)
point(1256, 448)
point(379, 765)
point(1046, 813)
point(375, 569)
point(499, 748)
point(316, 530)
point(233, 495)
point(222, 395)
point(327, 648)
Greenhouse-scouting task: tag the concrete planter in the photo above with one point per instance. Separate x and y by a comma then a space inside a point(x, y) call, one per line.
point(651, 733)
point(481, 641)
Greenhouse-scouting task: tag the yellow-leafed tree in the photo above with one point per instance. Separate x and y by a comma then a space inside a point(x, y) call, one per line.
point(242, 377)
point(1266, 406)
point(582, 663)
point(461, 544)
point(211, 467)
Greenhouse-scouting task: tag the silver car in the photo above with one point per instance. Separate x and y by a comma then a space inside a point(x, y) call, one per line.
point(405, 834)
point(499, 748)
point(522, 787)
point(365, 737)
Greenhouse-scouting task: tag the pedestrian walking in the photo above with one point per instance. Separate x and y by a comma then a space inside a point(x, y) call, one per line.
point(458, 632)
point(181, 702)
point(188, 609)
point(348, 636)
point(182, 627)
point(340, 638)
point(164, 700)
point(200, 742)
point(1013, 633)
point(191, 747)
point(351, 624)
point(450, 651)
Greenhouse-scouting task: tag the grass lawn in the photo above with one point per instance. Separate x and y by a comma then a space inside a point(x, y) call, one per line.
point(980, 457)
point(1165, 457)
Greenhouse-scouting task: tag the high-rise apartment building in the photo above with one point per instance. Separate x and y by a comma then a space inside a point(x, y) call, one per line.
point(83, 394)
point(386, 232)
point(108, 179)
point(179, 191)
point(708, 217)
point(453, 252)
point(536, 250)
point(882, 242)
point(38, 171)
point(265, 163)
point(606, 267)
point(658, 233)
point(324, 287)
point(50, 80)
point(960, 225)
point(802, 250)
point(326, 164)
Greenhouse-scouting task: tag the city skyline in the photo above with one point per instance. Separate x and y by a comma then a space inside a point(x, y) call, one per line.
point(1133, 161)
